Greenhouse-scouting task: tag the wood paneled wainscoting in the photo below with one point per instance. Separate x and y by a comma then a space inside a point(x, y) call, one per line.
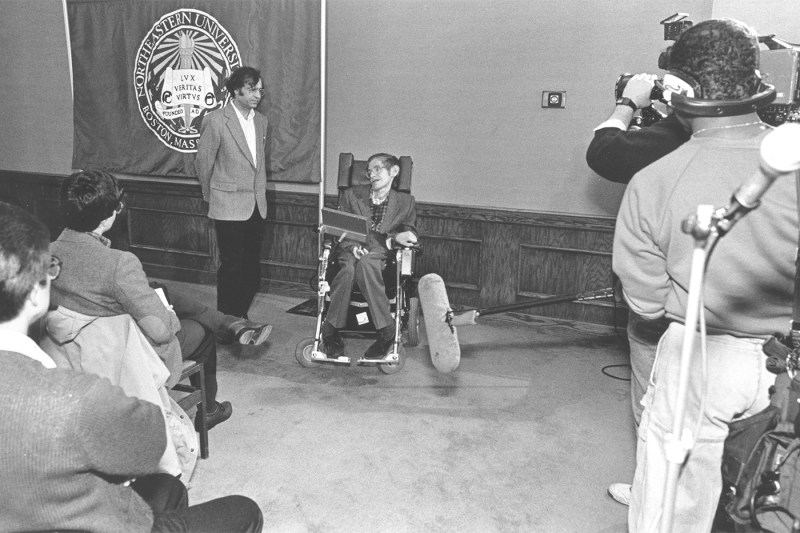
point(487, 257)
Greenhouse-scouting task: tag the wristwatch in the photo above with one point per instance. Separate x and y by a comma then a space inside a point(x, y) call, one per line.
point(628, 102)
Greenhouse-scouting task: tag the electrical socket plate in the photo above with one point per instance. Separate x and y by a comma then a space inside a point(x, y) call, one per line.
point(554, 98)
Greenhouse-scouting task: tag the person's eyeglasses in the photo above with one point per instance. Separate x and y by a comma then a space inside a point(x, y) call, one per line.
point(54, 268)
point(255, 90)
point(375, 170)
point(119, 208)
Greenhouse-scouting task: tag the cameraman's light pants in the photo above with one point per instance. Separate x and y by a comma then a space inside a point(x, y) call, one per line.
point(737, 387)
point(643, 337)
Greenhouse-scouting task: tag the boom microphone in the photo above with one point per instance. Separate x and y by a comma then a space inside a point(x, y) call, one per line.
point(442, 334)
point(440, 322)
point(780, 154)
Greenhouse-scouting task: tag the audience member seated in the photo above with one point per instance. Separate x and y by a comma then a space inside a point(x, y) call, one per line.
point(393, 216)
point(76, 453)
point(98, 280)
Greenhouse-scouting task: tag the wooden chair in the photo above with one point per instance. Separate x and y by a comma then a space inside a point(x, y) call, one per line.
point(195, 396)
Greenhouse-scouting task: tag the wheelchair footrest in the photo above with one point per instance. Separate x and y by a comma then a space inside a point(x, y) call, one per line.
point(391, 357)
point(322, 356)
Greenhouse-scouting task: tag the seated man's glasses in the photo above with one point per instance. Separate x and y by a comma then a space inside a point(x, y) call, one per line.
point(375, 170)
point(54, 268)
point(255, 90)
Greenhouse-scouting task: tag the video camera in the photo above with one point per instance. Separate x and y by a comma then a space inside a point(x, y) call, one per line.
point(673, 26)
point(780, 64)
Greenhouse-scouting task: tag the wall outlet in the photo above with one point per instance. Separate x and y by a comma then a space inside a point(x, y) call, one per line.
point(554, 98)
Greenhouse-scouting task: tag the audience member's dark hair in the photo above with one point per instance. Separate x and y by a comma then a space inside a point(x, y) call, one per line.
point(388, 161)
point(24, 258)
point(721, 55)
point(240, 77)
point(87, 198)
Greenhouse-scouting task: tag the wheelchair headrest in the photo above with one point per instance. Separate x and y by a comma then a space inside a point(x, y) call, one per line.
point(354, 172)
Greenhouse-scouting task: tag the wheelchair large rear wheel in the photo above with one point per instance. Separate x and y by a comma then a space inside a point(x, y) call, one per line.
point(394, 368)
point(412, 325)
point(303, 353)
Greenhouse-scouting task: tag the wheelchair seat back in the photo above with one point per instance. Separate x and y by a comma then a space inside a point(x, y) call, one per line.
point(354, 172)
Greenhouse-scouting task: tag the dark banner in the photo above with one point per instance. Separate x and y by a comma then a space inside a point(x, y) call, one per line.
point(146, 72)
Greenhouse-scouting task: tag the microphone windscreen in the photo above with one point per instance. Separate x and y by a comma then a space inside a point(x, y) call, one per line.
point(780, 150)
point(442, 339)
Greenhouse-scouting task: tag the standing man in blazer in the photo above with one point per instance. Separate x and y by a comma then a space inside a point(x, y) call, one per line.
point(231, 165)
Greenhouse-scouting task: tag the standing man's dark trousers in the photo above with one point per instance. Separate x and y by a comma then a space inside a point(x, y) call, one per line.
point(239, 274)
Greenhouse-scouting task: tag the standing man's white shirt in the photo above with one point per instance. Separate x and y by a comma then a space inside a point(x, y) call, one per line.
point(249, 127)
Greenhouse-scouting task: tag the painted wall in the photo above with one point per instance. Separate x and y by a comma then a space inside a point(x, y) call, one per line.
point(456, 84)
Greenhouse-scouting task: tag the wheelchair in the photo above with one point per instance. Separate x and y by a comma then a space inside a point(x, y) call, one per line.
point(398, 278)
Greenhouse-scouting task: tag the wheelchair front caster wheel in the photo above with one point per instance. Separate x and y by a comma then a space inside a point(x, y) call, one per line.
point(303, 353)
point(394, 368)
point(412, 326)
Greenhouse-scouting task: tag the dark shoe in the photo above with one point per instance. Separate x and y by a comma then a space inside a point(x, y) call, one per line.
point(224, 337)
point(382, 344)
point(246, 332)
point(332, 339)
point(218, 414)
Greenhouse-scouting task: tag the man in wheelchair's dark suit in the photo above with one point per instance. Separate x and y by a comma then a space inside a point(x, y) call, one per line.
point(393, 216)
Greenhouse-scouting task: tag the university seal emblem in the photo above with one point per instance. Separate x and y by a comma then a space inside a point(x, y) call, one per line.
point(179, 75)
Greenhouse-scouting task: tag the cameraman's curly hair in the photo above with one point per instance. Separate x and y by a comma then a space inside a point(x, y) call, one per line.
point(721, 55)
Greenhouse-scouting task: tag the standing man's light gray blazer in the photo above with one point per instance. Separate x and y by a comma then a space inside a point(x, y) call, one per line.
point(232, 183)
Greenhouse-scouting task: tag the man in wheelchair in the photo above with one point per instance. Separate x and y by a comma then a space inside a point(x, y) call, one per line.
point(393, 218)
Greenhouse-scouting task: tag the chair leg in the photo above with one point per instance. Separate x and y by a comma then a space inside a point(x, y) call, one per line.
point(201, 413)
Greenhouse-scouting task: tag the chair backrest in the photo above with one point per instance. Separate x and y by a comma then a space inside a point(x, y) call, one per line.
point(354, 172)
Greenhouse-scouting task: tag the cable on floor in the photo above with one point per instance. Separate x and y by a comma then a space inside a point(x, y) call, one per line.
point(605, 371)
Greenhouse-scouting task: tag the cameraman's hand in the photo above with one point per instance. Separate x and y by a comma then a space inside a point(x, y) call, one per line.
point(639, 88)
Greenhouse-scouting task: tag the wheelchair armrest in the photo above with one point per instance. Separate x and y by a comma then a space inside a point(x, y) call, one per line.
point(415, 247)
point(407, 257)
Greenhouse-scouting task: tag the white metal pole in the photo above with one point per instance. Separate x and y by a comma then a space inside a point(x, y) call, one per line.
point(69, 48)
point(322, 110)
point(681, 441)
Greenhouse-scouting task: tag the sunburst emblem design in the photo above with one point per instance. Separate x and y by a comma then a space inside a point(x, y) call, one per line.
point(180, 68)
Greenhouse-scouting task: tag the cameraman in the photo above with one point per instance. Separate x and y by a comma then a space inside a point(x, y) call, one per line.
point(747, 289)
point(617, 153)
